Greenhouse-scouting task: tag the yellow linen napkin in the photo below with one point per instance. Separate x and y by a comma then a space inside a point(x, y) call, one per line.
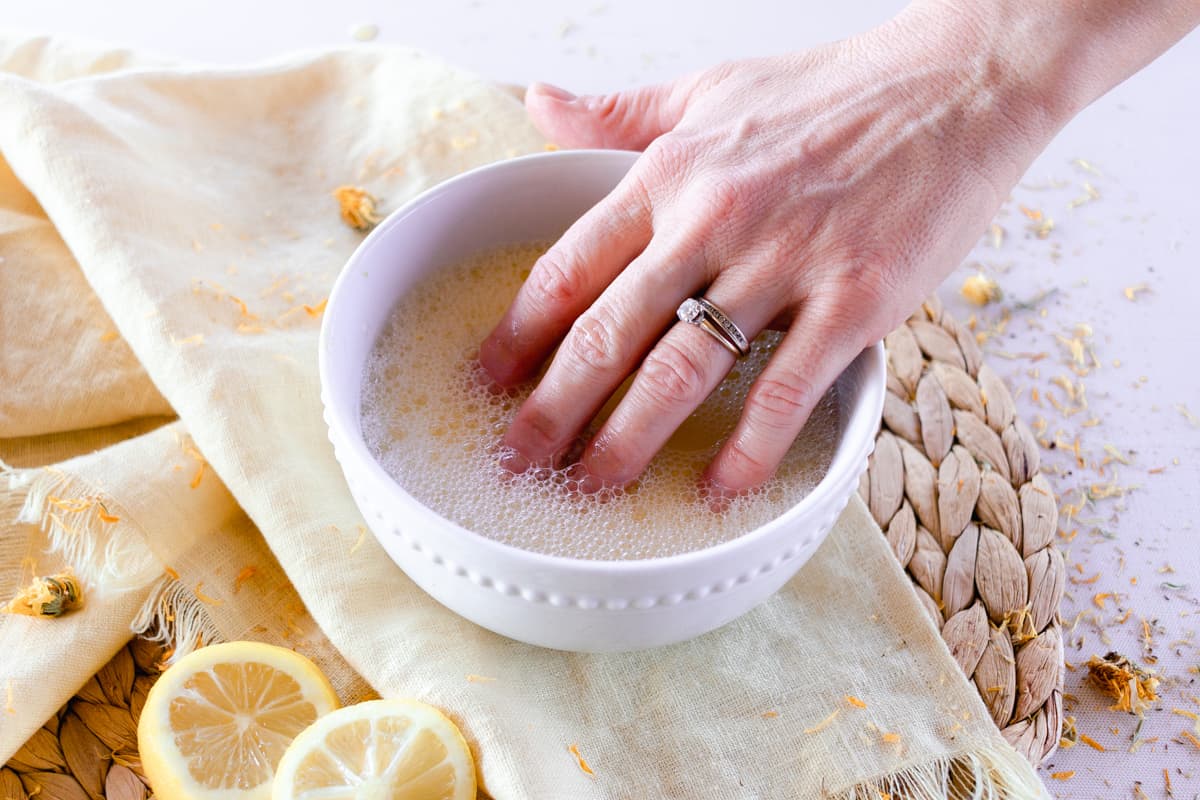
point(188, 238)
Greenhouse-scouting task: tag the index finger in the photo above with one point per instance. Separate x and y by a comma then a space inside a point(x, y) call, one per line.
point(565, 281)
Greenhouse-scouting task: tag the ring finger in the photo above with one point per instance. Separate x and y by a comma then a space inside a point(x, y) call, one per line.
point(673, 380)
point(808, 360)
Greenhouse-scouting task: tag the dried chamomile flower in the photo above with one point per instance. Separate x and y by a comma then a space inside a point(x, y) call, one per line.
point(981, 290)
point(1133, 687)
point(357, 207)
point(48, 596)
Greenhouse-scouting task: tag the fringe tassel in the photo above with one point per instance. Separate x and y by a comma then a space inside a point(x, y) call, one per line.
point(997, 772)
point(107, 555)
point(174, 618)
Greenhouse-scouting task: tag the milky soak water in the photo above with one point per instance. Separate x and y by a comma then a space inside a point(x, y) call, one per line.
point(432, 421)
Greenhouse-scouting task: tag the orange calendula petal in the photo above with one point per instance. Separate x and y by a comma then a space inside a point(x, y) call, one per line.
point(579, 759)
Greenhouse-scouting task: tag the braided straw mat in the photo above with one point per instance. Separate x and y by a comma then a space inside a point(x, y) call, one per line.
point(953, 483)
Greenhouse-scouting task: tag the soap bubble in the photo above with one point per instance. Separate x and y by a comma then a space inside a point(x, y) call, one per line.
point(434, 421)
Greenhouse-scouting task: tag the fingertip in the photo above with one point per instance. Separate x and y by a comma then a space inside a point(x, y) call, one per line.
point(610, 467)
point(502, 358)
point(551, 110)
point(514, 462)
point(734, 470)
point(590, 484)
point(601, 465)
point(589, 120)
point(496, 359)
point(715, 496)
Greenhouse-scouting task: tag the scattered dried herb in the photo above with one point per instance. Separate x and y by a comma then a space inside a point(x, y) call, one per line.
point(479, 679)
point(47, 596)
point(583, 764)
point(823, 724)
point(246, 574)
point(981, 290)
point(1133, 687)
point(357, 208)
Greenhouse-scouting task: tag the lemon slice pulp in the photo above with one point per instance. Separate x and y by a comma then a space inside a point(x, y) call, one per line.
point(216, 724)
point(379, 750)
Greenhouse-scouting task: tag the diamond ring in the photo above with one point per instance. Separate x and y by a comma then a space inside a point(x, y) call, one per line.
point(704, 314)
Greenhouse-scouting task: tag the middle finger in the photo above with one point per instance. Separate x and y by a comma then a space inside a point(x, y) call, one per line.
point(681, 371)
point(603, 346)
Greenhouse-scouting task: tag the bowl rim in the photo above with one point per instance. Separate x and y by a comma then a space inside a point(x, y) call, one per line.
point(867, 410)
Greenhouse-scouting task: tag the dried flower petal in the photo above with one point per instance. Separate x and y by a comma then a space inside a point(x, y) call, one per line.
point(1131, 292)
point(823, 724)
point(583, 765)
point(246, 574)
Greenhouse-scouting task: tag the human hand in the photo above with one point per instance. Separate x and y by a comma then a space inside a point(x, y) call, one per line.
point(826, 192)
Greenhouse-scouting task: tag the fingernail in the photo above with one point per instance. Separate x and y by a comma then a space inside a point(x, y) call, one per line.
point(590, 484)
point(495, 360)
point(603, 466)
point(514, 462)
point(584, 484)
point(719, 505)
point(718, 498)
point(552, 91)
point(571, 455)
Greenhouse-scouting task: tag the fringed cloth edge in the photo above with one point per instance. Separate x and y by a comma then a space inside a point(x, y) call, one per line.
point(107, 551)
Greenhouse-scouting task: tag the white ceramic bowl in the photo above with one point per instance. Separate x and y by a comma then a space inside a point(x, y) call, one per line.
point(564, 603)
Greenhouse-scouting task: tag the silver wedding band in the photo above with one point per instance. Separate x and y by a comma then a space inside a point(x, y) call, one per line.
point(704, 314)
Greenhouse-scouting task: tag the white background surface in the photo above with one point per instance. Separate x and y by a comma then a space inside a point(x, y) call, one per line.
point(1145, 140)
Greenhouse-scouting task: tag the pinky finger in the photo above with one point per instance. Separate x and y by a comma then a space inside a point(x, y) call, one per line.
point(809, 359)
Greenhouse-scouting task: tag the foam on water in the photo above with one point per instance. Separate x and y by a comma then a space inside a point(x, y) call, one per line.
point(434, 423)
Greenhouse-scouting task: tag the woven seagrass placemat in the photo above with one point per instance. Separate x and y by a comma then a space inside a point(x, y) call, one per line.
point(954, 485)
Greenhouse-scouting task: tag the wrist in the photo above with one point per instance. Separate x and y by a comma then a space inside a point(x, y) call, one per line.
point(1046, 61)
point(1018, 72)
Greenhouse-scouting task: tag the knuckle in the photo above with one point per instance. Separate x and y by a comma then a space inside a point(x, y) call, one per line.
point(608, 107)
point(785, 254)
point(555, 281)
point(881, 274)
point(714, 76)
point(619, 111)
point(671, 154)
point(594, 341)
point(617, 456)
point(537, 430)
point(779, 404)
point(743, 462)
point(636, 191)
point(848, 318)
point(721, 196)
point(671, 376)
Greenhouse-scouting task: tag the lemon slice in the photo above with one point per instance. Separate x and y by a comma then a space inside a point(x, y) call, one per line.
point(379, 750)
point(217, 722)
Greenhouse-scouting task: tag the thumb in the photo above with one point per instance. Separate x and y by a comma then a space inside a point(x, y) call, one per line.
point(627, 120)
